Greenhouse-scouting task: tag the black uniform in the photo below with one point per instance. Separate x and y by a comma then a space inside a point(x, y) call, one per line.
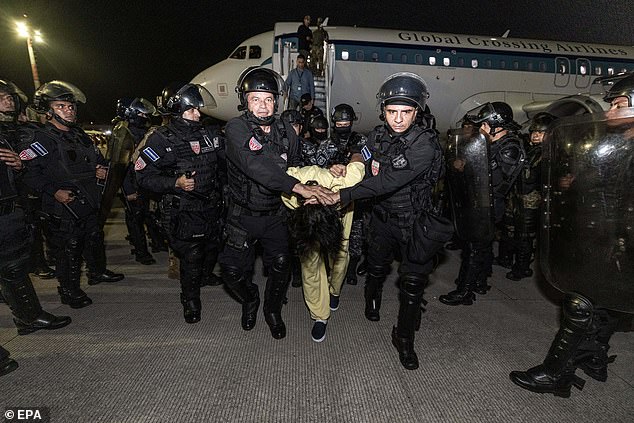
point(192, 218)
point(526, 212)
point(67, 160)
point(400, 176)
point(257, 164)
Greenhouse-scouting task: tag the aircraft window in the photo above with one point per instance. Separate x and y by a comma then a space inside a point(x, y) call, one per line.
point(375, 57)
point(403, 58)
point(388, 57)
point(432, 60)
point(419, 59)
point(542, 66)
point(583, 70)
point(597, 70)
point(460, 61)
point(446, 61)
point(474, 63)
point(529, 66)
point(359, 56)
point(255, 52)
point(516, 64)
point(502, 64)
point(610, 71)
point(488, 63)
point(345, 55)
point(562, 68)
point(239, 53)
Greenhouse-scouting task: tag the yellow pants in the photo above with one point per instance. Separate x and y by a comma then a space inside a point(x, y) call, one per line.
point(317, 285)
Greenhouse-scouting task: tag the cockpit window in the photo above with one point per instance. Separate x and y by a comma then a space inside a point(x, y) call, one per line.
point(255, 52)
point(239, 53)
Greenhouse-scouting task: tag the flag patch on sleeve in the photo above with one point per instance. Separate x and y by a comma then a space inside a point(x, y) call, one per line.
point(27, 154)
point(151, 154)
point(39, 149)
point(139, 164)
point(254, 145)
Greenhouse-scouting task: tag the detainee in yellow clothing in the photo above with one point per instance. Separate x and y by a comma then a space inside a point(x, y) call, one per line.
point(317, 286)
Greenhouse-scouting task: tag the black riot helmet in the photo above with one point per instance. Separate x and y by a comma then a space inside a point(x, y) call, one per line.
point(343, 113)
point(56, 91)
point(498, 115)
point(189, 96)
point(292, 117)
point(258, 79)
point(540, 122)
point(136, 111)
point(19, 100)
point(319, 127)
point(403, 88)
point(623, 88)
point(168, 92)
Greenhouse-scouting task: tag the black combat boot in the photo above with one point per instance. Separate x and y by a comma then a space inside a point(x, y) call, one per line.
point(25, 305)
point(556, 375)
point(68, 273)
point(240, 286)
point(412, 286)
point(191, 308)
point(373, 291)
point(134, 221)
point(521, 268)
point(275, 294)
point(7, 365)
point(592, 355)
point(505, 254)
point(95, 253)
point(351, 272)
point(470, 270)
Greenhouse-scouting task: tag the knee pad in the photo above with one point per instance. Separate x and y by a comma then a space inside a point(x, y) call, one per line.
point(413, 284)
point(281, 263)
point(231, 274)
point(578, 310)
point(379, 271)
point(73, 247)
point(194, 254)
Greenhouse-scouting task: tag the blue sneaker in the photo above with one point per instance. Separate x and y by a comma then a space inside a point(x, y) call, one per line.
point(319, 331)
point(334, 302)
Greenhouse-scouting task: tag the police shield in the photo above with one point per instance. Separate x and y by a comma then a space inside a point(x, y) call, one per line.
point(587, 240)
point(120, 149)
point(469, 182)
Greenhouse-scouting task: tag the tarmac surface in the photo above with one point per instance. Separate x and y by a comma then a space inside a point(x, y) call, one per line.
point(130, 357)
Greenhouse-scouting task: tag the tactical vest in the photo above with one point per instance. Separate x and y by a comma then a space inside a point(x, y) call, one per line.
point(245, 191)
point(505, 168)
point(417, 194)
point(195, 152)
point(8, 191)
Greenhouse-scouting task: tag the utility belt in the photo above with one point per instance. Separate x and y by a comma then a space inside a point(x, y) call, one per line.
point(236, 210)
point(212, 200)
point(7, 207)
point(384, 214)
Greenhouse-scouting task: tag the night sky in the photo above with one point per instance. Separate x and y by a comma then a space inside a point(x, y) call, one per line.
point(113, 49)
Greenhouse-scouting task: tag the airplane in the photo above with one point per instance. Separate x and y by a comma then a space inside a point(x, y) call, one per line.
point(462, 72)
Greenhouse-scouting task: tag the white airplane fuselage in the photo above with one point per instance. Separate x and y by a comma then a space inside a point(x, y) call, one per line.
point(462, 71)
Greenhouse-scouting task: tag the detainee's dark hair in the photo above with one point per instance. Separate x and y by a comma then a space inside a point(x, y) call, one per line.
point(314, 227)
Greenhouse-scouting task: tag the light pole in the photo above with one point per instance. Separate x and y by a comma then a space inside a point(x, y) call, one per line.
point(31, 36)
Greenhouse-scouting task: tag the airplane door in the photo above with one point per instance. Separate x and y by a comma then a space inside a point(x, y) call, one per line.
point(562, 72)
point(582, 80)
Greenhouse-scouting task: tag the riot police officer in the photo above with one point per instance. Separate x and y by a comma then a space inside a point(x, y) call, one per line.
point(404, 162)
point(15, 235)
point(131, 125)
point(587, 237)
point(506, 156)
point(181, 162)
point(528, 187)
point(68, 169)
point(259, 150)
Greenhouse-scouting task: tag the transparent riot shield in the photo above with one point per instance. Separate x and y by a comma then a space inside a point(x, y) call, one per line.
point(120, 149)
point(587, 239)
point(469, 182)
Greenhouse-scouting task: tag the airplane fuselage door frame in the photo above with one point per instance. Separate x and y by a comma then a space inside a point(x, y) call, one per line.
point(562, 71)
point(582, 79)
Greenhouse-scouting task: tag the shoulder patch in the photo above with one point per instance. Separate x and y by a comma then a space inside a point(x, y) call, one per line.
point(254, 145)
point(139, 164)
point(151, 154)
point(365, 152)
point(27, 154)
point(39, 149)
point(375, 167)
point(195, 146)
